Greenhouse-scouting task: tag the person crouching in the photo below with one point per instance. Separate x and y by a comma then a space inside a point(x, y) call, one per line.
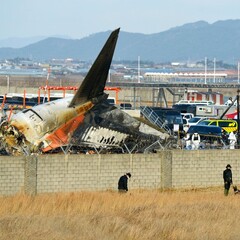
point(123, 182)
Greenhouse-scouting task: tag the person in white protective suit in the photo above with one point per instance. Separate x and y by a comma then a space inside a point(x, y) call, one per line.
point(229, 102)
point(187, 141)
point(232, 140)
point(195, 141)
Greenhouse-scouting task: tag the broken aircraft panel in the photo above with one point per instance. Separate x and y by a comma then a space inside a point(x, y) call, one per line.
point(103, 136)
point(105, 125)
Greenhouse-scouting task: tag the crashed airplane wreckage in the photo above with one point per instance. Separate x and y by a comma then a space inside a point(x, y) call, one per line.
point(83, 120)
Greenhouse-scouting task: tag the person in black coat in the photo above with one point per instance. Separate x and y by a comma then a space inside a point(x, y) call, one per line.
point(227, 177)
point(123, 182)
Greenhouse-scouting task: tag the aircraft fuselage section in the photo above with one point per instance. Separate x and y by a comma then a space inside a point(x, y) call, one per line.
point(51, 123)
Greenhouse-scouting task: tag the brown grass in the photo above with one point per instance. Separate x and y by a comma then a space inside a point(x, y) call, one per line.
point(144, 214)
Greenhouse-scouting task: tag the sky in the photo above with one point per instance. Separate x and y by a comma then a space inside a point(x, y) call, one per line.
point(80, 18)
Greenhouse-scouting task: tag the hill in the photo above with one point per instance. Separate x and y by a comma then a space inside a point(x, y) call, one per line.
point(193, 41)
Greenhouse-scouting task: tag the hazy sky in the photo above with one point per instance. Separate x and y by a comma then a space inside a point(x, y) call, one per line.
point(80, 18)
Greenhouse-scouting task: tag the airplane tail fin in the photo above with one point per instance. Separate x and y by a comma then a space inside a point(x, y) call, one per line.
point(94, 83)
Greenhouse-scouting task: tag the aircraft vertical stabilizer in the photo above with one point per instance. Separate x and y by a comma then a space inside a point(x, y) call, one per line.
point(94, 83)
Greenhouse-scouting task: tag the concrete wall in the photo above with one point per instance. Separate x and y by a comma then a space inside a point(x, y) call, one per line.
point(68, 173)
point(11, 175)
point(203, 168)
point(96, 172)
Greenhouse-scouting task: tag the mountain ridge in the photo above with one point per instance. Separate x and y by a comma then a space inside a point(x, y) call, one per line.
point(189, 42)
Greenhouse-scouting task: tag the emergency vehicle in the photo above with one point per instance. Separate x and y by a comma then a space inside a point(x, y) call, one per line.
point(229, 125)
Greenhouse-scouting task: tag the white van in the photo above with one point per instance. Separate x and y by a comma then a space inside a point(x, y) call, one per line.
point(111, 100)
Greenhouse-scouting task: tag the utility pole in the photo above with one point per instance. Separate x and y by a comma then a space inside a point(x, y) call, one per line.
point(138, 69)
point(214, 70)
point(238, 71)
point(8, 83)
point(205, 70)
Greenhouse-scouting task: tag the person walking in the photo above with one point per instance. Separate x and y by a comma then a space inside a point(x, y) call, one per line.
point(123, 182)
point(227, 177)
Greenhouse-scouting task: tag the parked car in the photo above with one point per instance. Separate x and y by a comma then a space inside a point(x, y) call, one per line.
point(228, 125)
point(194, 121)
point(125, 106)
point(205, 130)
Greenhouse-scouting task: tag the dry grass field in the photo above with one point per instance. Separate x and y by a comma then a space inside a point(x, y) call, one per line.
point(143, 214)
